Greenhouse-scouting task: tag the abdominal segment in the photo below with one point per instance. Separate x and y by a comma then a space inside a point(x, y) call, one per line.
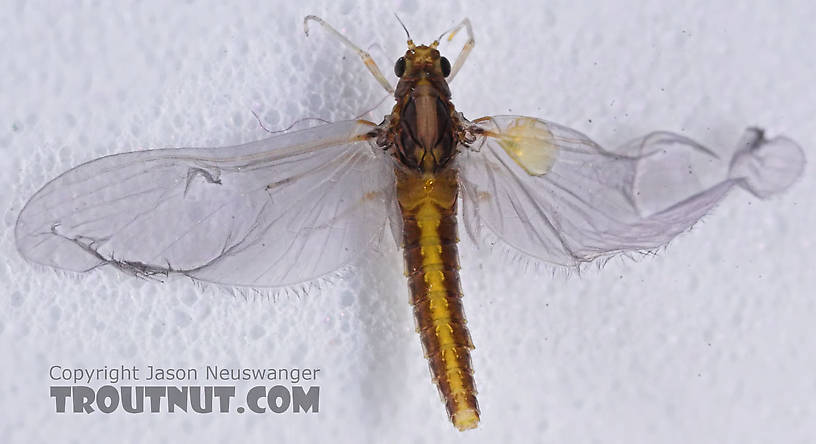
point(428, 205)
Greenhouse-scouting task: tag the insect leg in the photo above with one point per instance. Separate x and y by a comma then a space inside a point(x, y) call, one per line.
point(366, 57)
point(463, 54)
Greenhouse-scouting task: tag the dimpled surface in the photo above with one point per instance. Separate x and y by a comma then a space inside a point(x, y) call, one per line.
point(711, 341)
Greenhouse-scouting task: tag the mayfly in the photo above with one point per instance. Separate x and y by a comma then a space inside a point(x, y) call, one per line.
point(298, 207)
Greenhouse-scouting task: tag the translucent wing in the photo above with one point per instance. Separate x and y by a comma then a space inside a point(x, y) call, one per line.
point(552, 193)
point(272, 213)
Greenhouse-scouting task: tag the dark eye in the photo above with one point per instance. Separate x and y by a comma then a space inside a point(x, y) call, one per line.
point(445, 65)
point(399, 67)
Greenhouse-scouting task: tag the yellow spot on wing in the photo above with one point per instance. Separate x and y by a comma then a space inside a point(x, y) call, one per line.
point(530, 144)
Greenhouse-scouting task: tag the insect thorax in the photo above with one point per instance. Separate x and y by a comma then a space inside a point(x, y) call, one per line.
point(424, 128)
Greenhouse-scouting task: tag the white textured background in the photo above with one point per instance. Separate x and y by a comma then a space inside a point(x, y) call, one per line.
point(713, 341)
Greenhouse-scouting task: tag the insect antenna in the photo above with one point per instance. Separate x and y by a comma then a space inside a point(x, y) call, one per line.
point(403, 27)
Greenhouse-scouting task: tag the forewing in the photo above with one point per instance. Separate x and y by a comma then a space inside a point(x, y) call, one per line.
point(273, 213)
point(552, 193)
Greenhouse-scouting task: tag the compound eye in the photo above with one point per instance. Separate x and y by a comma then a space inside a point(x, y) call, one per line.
point(399, 67)
point(445, 65)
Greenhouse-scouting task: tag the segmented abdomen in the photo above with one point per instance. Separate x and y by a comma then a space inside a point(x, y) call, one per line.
point(428, 205)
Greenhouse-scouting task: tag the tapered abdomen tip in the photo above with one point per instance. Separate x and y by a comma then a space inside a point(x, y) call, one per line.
point(465, 419)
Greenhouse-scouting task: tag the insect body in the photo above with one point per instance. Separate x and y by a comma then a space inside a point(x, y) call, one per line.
point(425, 131)
point(297, 208)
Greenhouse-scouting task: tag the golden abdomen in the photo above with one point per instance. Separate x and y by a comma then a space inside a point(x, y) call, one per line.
point(428, 205)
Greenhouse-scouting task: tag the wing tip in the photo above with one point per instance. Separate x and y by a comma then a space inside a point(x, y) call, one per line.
point(766, 167)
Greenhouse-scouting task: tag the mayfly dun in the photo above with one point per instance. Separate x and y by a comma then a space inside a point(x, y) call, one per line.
point(297, 207)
